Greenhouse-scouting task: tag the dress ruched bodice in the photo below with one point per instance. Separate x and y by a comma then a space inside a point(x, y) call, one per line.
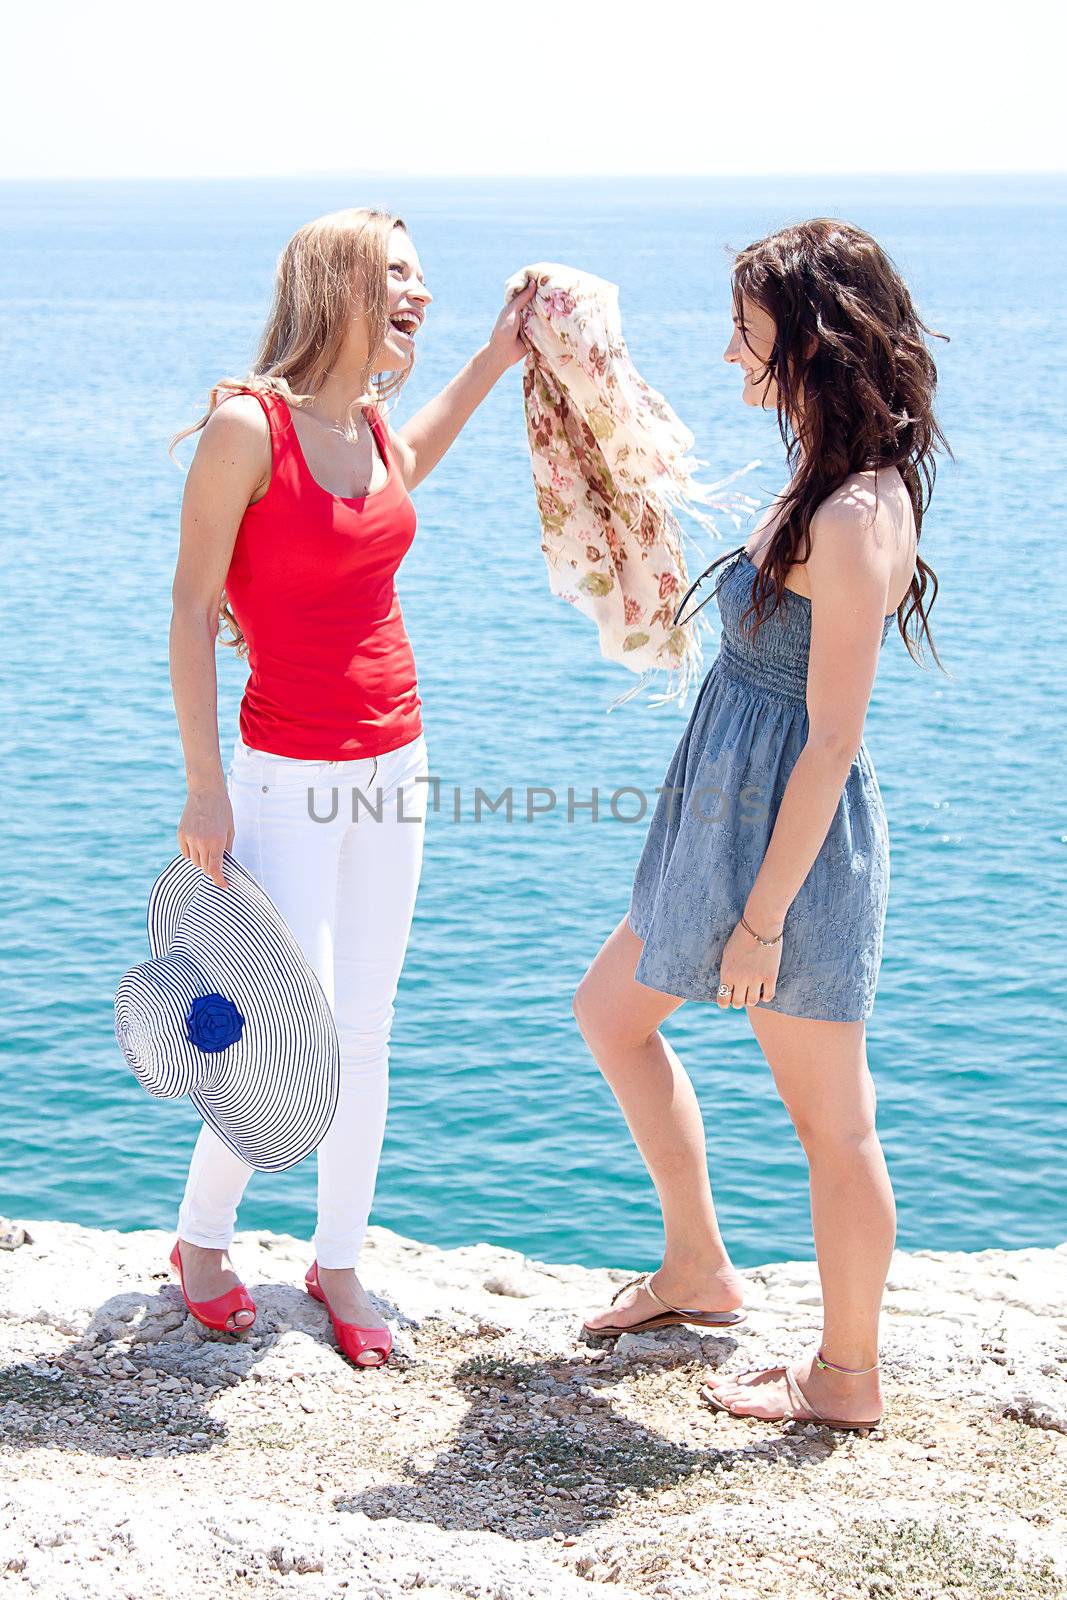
point(776, 662)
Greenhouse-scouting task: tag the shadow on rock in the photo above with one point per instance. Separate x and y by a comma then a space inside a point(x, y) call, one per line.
point(543, 1450)
point(140, 1378)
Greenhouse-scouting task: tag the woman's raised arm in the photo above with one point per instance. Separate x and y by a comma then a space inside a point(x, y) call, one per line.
point(423, 440)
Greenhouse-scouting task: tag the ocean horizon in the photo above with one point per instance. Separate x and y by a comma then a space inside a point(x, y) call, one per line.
point(122, 303)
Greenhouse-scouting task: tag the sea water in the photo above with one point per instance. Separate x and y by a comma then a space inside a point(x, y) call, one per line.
point(121, 304)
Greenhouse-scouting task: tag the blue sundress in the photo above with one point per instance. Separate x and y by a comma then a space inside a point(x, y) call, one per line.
point(713, 821)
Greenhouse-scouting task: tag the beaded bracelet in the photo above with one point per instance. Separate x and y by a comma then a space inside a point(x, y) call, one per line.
point(756, 936)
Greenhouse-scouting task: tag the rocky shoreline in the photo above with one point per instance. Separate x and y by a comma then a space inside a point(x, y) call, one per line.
point(498, 1455)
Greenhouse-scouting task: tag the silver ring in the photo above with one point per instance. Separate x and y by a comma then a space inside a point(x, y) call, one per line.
point(725, 988)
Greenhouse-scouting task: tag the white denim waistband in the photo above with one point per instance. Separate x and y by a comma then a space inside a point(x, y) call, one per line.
point(247, 757)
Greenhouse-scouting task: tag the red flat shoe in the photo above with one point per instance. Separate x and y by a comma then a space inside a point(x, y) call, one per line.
point(214, 1313)
point(353, 1339)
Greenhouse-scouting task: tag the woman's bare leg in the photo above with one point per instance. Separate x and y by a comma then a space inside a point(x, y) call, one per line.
point(619, 1019)
point(821, 1072)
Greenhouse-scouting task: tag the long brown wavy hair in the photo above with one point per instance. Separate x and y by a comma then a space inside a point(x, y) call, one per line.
point(855, 388)
point(326, 266)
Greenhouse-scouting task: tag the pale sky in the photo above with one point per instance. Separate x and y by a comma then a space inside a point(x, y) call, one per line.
point(427, 86)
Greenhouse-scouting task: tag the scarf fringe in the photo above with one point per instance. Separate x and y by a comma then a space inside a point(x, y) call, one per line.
point(678, 490)
point(680, 681)
point(675, 497)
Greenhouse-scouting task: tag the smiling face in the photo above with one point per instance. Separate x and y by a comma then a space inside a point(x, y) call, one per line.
point(408, 298)
point(751, 350)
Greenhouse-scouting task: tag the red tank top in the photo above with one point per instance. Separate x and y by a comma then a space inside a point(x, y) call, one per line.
point(311, 583)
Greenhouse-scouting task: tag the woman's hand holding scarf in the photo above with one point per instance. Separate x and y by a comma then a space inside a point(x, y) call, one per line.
point(507, 342)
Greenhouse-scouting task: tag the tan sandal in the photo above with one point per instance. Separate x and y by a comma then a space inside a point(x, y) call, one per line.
point(803, 1410)
point(669, 1317)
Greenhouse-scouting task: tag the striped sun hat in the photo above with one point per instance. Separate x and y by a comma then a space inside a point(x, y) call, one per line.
point(229, 1012)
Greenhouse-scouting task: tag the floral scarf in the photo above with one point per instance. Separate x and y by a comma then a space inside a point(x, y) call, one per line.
point(610, 462)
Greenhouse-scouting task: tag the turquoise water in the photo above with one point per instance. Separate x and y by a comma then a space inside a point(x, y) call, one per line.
point(121, 304)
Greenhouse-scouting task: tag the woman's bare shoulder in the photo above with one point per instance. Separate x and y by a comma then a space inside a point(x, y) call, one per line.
point(237, 434)
point(874, 504)
point(233, 452)
point(238, 414)
point(866, 528)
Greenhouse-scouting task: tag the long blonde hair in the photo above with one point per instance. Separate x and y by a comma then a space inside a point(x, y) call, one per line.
point(326, 265)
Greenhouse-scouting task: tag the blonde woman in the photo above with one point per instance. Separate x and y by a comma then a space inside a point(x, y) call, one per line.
point(295, 517)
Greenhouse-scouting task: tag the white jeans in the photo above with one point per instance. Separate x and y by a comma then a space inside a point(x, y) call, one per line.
point(347, 890)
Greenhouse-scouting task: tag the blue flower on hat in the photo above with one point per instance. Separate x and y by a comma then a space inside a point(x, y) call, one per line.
point(214, 1022)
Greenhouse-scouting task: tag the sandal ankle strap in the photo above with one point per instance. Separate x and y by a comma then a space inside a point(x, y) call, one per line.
point(831, 1366)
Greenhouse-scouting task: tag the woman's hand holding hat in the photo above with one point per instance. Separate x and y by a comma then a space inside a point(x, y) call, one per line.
point(206, 829)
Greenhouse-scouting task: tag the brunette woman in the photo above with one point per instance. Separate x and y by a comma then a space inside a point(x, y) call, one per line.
point(764, 878)
point(295, 518)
